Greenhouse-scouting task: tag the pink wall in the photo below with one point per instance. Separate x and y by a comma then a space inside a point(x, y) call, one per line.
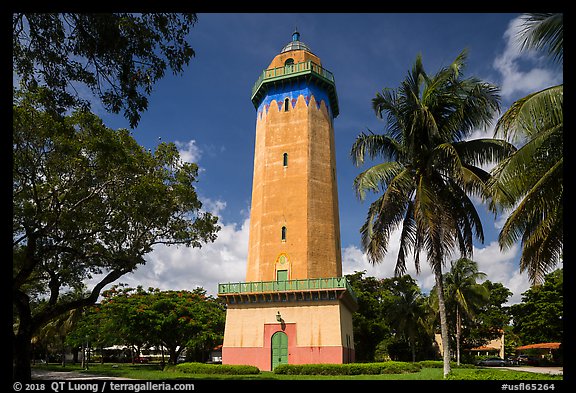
point(261, 357)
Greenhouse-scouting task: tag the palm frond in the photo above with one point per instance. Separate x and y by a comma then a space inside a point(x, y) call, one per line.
point(543, 31)
point(541, 201)
point(376, 178)
point(374, 145)
point(532, 114)
point(408, 239)
point(483, 151)
point(517, 173)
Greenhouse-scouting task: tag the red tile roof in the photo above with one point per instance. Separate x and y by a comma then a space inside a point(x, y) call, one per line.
point(540, 346)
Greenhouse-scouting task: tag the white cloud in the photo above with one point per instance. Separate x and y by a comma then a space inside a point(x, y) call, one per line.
point(213, 207)
point(189, 152)
point(514, 80)
point(179, 267)
point(502, 266)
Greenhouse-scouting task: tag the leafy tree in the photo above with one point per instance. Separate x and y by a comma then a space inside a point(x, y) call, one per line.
point(429, 169)
point(530, 182)
point(539, 317)
point(126, 318)
point(117, 56)
point(88, 202)
point(170, 319)
point(369, 322)
point(492, 317)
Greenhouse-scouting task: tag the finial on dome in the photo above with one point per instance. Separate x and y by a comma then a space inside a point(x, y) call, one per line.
point(296, 35)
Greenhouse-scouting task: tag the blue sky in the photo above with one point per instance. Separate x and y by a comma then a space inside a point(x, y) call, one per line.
point(207, 112)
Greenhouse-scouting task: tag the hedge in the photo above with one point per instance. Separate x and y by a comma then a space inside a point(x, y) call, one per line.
point(203, 368)
point(390, 367)
point(440, 364)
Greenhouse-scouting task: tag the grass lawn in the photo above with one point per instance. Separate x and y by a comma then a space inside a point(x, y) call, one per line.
point(153, 372)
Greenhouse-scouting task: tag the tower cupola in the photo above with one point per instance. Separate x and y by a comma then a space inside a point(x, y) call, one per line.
point(295, 44)
point(296, 64)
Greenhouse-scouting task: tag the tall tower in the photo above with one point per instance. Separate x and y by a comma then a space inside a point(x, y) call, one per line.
point(295, 306)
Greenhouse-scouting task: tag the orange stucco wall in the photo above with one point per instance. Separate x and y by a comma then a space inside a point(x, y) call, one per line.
point(301, 196)
point(299, 56)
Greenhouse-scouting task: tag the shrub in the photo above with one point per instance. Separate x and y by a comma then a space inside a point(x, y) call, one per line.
point(203, 368)
point(440, 364)
point(481, 374)
point(390, 367)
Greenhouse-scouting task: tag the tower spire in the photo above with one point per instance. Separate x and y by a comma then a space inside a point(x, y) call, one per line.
point(296, 35)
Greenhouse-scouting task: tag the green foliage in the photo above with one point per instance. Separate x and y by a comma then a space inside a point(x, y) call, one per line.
point(369, 321)
point(202, 368)
point(539, 317)
point(118, 56)
point(528, 185)
point(173, 319)
point(430, 169)
point(501, 375)
point(390, 367)
point(440, 364)
point(89, 203)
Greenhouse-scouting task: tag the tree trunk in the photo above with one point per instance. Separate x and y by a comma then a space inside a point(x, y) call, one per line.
point(443, 321)
point(21, 350)
point(63, 353)
point(458, 333)
point(163, 362)
point(172, 355)
point(22, 340)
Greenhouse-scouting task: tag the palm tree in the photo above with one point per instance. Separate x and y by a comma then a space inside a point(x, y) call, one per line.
point(408, 312)
point(467, 295)
point(530, 182)
point(57, 329)
point(428, 169)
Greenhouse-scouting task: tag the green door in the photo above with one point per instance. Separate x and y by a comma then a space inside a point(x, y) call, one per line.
point(281, 277)
point(279, 349)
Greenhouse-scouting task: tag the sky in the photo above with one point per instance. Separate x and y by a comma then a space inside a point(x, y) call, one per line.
point(207, 112)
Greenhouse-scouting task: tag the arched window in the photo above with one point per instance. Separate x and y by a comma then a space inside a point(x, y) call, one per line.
point(285, 159)
point(289, 61)
point(286, 104)
point(283, 234)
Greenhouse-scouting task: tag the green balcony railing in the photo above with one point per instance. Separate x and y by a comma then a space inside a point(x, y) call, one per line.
point(308, 284)
point(292, 70)
point(287, 73)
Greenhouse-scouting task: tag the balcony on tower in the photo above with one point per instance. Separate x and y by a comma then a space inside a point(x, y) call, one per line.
point(307, 71)
point(303, 290)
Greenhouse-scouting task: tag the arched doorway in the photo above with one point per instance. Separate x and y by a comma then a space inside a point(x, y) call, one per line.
point(279, 349)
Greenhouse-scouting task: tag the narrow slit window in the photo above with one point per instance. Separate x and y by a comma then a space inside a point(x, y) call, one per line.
point(286, 104)
point(285, 159)
point(283, 234)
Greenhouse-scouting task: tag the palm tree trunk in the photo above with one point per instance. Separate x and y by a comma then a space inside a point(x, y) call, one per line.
point(443, 321)
point(458, 333)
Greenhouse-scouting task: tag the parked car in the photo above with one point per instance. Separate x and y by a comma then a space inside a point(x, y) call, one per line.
point(141, 360)
point(528, 360)
point(492, 362)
